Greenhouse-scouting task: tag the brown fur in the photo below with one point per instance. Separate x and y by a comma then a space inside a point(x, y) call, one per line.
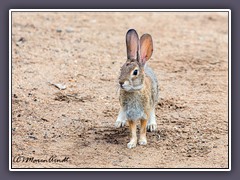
point(139, 90)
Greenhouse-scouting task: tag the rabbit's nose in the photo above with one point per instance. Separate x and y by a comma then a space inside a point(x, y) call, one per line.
point(121, 83)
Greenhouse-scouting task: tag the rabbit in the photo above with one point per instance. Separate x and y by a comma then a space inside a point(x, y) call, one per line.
point(138, 88)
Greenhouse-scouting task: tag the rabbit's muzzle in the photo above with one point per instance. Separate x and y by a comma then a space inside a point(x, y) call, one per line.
point(125, 85)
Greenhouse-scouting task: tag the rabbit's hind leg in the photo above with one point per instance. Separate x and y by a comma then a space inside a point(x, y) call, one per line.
point(152, 124)
point(121, 119)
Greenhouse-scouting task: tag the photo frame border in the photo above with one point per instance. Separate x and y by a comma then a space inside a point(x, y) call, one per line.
point(120, 10)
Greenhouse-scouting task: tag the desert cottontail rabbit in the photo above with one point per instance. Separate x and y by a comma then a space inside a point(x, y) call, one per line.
point(138, 88)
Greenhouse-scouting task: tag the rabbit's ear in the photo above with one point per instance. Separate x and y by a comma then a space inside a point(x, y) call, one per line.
point(146, 48)
point(132, 42)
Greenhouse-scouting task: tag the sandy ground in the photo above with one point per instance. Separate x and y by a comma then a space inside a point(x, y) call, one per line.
point(84, 51)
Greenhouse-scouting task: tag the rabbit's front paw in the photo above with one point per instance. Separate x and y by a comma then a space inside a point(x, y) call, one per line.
point(132, 144)
point(142, 141)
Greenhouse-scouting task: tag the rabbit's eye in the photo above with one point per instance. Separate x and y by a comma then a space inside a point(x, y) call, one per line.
point(135, 72)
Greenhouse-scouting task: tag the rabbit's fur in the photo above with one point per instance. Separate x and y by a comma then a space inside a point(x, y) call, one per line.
point(138, 88)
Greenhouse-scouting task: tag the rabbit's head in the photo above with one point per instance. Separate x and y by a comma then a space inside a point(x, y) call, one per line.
point(138, 52)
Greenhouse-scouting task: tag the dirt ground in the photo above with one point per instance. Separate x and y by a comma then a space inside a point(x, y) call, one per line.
point(84, 51)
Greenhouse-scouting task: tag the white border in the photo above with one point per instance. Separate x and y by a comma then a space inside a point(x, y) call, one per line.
point(119, 10)
point(10, 90)
point(229, 89)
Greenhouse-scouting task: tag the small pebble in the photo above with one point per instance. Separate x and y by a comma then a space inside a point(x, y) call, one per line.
point(69, 30)
point(32, 137)
point(20, 41)
point(59, 30)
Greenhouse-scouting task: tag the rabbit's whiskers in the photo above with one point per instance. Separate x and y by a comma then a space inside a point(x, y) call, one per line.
point(117, 88)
